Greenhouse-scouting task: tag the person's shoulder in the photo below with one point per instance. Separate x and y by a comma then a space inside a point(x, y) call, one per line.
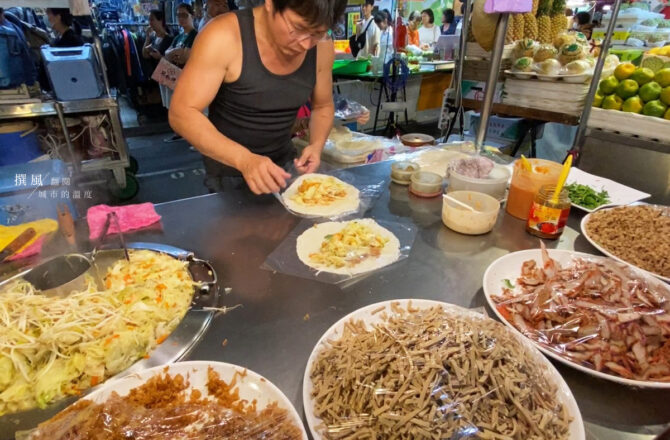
point(224, 23)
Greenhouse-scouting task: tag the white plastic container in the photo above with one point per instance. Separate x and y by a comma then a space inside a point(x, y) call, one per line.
point(462, 220)
point(494, 185)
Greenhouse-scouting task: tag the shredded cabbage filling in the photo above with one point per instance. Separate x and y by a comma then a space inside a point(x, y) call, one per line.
point(51, 347)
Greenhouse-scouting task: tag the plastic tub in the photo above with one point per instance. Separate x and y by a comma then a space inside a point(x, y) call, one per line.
point(18, 143)
point(467, 222)
point(494, 185)
point(525, 184)
point(426, 184)
point(401, 172)
point(350, 67)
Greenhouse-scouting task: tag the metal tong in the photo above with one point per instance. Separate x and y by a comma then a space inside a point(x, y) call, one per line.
point(105, 229)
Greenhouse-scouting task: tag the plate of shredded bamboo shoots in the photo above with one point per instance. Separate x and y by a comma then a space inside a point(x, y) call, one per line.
point(419, 369)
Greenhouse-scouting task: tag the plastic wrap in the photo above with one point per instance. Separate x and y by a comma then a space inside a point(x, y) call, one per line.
point(347, 109)
point(185, 400)
point(284, 259)
point(594, 312)
point(369, 187)
point(424, 370)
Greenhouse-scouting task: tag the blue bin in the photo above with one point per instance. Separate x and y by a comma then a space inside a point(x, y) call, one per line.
point(18, 143)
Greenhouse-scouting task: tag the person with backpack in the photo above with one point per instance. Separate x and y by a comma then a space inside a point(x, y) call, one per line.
point(367, 32)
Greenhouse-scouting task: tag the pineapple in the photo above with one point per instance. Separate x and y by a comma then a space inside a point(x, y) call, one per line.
point(559, 22)
point(536, 4)
point(544, 22)
point(530, 26)
point(517, 26)
point(509, 35)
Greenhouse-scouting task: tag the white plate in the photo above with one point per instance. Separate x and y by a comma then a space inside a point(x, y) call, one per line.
point(563, 393)
point(251, 386)
point(509, 267)
point(619, 194)
point(585, 220)
point(521, 75)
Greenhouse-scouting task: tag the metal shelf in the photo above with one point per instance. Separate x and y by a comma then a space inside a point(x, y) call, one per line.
point(109, 105)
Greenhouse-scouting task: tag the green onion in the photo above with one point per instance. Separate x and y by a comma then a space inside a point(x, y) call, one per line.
point(584, 195)
point(508, 284)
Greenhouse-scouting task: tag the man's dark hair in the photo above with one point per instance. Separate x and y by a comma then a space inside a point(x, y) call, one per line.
point(160, 16)
point(187, 7)
point(429, 13)
point(379, 18)
point(389, 18)
point(583, 18)
point(64, 13)
point(448, 15)
point(369, 2)
point(317, 13)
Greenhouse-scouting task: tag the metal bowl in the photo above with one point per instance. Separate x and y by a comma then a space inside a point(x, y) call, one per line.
point(66, 271)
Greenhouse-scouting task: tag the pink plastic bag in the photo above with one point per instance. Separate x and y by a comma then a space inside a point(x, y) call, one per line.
point(513, 6)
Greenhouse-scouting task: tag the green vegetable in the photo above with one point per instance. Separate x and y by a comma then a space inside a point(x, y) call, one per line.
point(584, 195)
point(508, 284)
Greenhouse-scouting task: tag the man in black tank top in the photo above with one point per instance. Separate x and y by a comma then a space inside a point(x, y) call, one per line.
point(253, 69)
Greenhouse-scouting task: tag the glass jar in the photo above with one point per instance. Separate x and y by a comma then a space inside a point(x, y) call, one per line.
point(546, 218)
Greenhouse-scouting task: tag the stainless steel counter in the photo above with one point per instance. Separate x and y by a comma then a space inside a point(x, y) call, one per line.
point(283, 317)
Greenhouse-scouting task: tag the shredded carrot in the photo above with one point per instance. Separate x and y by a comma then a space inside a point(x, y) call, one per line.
point(161, 339)
point(504, 312)
point(161, 287)
point(108, 283)
point(146, 356)
point(95, 380)
point(110, 339)
point(127, 277)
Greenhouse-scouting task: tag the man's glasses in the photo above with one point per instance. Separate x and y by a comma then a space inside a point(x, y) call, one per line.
point(300, 36)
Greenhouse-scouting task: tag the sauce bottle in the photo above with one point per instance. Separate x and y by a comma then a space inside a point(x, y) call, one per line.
point(546, 218)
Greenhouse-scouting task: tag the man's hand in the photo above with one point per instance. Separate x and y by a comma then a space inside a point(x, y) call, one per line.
point(363, 118)
point(309, 160)
point(262, 175)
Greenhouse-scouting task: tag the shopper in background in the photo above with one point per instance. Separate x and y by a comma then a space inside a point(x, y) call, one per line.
point(428, 33)
point(180, 48)
point(60, 21)
point(213, 8)
point(583, 24)
point(179, 51)
point(158, 39)
point(276, 57)
point(413, 24)
point(372, 33)
point(385, 36)
point(449, 22)
point(198, 13)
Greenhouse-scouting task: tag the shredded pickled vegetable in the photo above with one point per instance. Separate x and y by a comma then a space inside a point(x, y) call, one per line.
point(51, 347)
point(167, 407)
point(433, 374)
point(349, 247)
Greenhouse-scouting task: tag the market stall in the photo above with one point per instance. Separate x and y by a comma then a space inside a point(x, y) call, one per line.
point(368, 300)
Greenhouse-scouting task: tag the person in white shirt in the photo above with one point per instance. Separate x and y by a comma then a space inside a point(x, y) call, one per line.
point(428, 33)
point(372, 32)
point(385, 36)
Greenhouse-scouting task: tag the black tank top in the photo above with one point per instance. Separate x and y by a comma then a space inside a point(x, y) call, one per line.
point(259, 108)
